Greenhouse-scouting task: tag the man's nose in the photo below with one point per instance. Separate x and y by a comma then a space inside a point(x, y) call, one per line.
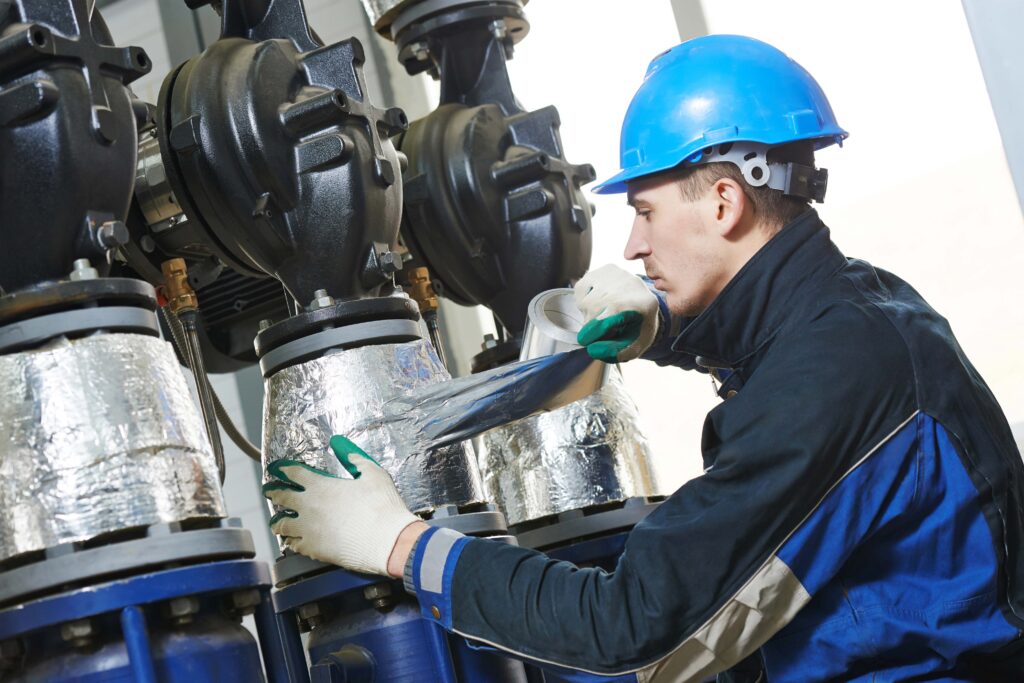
point(636, 246)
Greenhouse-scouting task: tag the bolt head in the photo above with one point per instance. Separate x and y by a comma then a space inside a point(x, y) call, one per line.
point(377, 590)
point(76, 630)
point(320, 300)
point(181, 610)
point(244, 603)
point(390, 261)
point(308, 610)
point(265, 323)
point(499, 29)
point(421, 51)
point(112, 234)
point(83, 270)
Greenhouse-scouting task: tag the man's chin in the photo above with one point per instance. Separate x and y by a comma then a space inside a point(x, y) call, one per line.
point(686, 308)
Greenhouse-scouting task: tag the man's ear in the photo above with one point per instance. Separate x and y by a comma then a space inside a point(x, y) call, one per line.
point(730, 204)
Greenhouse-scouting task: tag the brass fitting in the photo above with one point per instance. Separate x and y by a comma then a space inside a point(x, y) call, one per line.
point(179, 293)
point(421, 290)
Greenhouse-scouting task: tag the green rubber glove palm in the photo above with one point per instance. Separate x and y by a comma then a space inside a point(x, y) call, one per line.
point(353, 523)
point(621, 314)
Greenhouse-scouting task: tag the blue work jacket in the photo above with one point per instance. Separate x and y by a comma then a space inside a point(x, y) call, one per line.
point(859, 517)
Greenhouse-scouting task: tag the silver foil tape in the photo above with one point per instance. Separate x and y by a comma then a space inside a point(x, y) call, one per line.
point(351, 393)
point(586, 453)
point(97, 435)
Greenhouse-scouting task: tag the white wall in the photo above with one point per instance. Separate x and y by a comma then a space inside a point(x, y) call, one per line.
point(921, 187)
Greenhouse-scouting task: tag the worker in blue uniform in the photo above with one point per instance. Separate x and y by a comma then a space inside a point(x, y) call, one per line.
point(860, 512)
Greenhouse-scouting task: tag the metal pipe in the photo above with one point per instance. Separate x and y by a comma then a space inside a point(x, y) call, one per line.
point(223, 417)
point(136, 640)
point(421, 290)
point(183, 305)
point(434, 329)
point(283, 656)
point(194, 358)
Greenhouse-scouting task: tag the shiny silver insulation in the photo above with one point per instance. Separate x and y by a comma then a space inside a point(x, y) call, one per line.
point(587, 453)
point(348, 392)
point(97, 435)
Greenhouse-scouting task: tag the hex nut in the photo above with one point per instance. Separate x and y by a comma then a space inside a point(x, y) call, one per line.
point(308, 610)
point(309, 616)
point(182, 610)
point(83, 270)
point(321, 300)
point(420, 50)
point(377, 590)
point(79, 633)
point(243, 603)
point(112, 234)
point(390, 261)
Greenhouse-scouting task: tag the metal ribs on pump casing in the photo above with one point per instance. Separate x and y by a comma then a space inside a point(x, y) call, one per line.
point(277, 153)
point(65, 114)
point(491, 204)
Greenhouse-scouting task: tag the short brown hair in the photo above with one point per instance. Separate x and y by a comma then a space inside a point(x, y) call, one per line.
point(772, 208)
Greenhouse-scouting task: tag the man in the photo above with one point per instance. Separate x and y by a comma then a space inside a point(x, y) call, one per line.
point(859, 517)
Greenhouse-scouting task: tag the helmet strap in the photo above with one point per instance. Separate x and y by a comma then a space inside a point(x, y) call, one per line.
point(790, 178)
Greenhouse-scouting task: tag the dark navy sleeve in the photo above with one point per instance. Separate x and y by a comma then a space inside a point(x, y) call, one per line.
point(700, 585)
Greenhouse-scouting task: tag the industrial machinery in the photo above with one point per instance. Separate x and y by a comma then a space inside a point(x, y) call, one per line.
point(116, 562)
point(264, 210)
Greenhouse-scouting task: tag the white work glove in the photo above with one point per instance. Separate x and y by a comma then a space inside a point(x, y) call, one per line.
point(353, 523)
point(620, 314)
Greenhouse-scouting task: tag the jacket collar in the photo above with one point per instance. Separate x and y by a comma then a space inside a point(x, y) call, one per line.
point(755, 304)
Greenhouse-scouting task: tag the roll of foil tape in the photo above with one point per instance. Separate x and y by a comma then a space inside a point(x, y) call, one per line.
point(588, 453)
point(352, 392)
point(97, 435)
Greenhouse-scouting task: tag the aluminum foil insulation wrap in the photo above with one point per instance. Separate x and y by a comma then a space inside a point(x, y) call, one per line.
point(586, 453)
point(348, 392)
point(97, 435)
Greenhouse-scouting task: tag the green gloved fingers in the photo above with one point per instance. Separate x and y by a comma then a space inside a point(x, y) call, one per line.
point(276, 470)
point(343, 449)
point(607, 351)
point(280, 517)
point(280, 486)
point(606, 337)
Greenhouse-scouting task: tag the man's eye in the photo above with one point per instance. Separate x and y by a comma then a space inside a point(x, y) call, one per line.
point(645, 214)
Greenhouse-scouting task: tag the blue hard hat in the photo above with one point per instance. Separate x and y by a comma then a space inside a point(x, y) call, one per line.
point(714, 90)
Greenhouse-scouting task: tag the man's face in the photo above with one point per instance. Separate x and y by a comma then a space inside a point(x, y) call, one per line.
point(678, 242)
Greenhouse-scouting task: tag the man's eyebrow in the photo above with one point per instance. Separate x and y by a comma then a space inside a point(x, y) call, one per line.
point(634, 202)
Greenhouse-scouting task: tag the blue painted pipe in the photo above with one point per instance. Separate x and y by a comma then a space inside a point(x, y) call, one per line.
point(283, 655)
point(136, 640)
point(438, 640)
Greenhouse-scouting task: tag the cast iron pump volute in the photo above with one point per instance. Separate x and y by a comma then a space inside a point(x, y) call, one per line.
point(66, 114)
point(274, 151)
point(491, 204)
